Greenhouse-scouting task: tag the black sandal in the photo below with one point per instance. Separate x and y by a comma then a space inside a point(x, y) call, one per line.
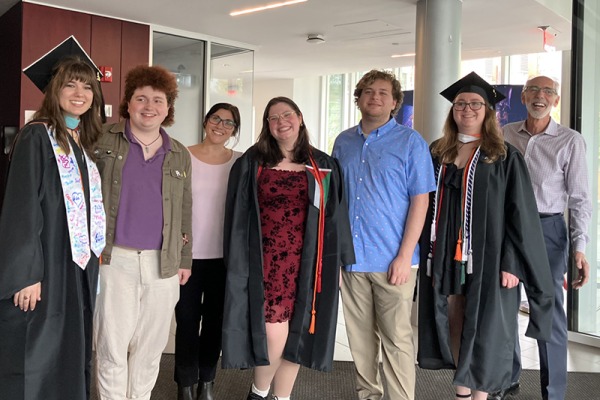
point(463, 396)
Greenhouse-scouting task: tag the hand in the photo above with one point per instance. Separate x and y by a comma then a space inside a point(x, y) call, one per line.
point(184, 275)
point(508, 280)
point(399, 271)
point(27, 298)
point(185, 238)
point(584, 270)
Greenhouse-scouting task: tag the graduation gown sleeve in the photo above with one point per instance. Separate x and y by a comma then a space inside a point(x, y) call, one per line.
point(524, 248)
point(21, 220)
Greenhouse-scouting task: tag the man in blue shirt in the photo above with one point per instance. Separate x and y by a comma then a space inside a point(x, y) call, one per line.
point(388, 175)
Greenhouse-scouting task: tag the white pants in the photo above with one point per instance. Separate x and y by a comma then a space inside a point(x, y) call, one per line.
point(133, 315)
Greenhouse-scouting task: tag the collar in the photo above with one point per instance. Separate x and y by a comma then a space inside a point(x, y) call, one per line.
point(166, 146)
point(551, 129)
point(382, 130)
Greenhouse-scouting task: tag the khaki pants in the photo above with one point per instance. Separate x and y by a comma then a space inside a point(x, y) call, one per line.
point(133, 315)
point(377, 316)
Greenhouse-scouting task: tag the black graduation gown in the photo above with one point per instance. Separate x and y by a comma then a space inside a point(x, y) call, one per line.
point(45, 353)
point(507, 236)
point(244, 336)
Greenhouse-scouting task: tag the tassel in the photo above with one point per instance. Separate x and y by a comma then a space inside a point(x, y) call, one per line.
point(311, 329)
point(470, 263)
point(458, 253)
point(462, 273)
point(429, 257)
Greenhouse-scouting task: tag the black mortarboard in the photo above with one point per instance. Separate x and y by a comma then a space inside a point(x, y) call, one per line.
point(41, 71)
point(473, 83)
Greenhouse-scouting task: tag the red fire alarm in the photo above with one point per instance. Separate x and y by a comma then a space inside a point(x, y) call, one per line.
point(106, 73)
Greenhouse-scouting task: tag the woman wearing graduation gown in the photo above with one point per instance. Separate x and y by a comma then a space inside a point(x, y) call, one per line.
point(51, 233)
point(482, 237)
point(286, 235)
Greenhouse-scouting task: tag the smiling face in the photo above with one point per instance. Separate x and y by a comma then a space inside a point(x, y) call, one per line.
point(539, 104)
point(469, 121)
point(286, 128)
point(219, 133)
point(75, 98)
point(376, 101)
point(147, 109)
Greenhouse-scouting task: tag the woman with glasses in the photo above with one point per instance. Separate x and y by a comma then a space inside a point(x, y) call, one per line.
point(201, 299)
point(481, 238)
point(286, 235)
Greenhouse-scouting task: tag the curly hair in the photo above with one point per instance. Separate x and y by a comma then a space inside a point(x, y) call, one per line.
point(374, 75)
point(67, 70)
point(158, 78)
point(268, 152)
point(492, 140)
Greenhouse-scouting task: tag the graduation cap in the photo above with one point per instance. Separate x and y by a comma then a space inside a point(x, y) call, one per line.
point(473, 83)
point(41, 71)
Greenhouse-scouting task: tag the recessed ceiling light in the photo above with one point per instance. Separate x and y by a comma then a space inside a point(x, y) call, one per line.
point(267, 7)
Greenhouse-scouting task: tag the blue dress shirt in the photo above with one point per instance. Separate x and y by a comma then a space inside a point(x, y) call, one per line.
point(382, 171)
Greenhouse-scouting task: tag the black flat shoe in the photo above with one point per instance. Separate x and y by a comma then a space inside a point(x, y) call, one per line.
point(205, 391)
point(185, 393)
point(503, 394)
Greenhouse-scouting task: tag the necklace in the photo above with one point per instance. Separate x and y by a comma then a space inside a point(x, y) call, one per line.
point(146, 146)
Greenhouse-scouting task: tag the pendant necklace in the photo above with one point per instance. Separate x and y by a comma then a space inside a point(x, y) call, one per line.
point(146, 146)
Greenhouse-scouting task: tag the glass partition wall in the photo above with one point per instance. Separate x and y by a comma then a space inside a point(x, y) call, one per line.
point(584, 304)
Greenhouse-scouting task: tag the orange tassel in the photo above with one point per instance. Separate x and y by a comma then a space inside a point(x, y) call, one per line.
point(458, 253)
point(311, 329)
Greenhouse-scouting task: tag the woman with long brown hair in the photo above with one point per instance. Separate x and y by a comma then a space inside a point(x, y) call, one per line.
point(286, 236)
point(52, 231)
point(481, 238)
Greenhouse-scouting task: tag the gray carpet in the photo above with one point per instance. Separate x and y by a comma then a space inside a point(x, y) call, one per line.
point(339, 384)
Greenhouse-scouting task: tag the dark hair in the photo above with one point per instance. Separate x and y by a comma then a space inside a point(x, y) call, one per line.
point(72, 69)
point(375, 75)
point(232, 109)
point(268, 152)
point(158, 78)
point(492, 140)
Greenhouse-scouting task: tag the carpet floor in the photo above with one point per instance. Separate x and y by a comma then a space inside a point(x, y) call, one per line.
point(340, 384)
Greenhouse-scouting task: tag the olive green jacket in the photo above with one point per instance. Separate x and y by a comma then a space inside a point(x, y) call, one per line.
point(111, 151)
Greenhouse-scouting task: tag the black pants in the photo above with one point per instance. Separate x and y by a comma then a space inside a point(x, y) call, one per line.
point(201, 300)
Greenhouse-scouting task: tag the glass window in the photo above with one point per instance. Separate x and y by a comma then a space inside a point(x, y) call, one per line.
point(185, 58)
point(231, 81)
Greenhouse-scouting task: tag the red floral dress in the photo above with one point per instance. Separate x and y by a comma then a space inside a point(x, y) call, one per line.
point(283, 199)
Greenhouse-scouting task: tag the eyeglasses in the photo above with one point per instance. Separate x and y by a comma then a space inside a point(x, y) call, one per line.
point(462, 105)
point(536, 89)
point(283, 116)
point(227, 123)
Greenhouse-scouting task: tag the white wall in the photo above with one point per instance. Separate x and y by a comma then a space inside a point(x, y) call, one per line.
point(306, 92)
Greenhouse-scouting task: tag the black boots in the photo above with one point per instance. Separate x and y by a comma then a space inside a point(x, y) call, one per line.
point(185, 393)
point(205, 390)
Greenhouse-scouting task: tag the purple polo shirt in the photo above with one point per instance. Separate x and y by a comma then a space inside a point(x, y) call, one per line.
point(140, 217)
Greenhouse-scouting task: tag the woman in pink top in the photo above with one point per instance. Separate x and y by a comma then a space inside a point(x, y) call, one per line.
point(201, 299)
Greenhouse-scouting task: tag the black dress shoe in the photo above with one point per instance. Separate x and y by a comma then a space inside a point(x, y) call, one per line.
point(512, 391)
point(185, 392)
point(205, 391)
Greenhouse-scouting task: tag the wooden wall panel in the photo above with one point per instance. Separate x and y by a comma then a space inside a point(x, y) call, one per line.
point(44, 28)
point(106, 50)
point(135, 47)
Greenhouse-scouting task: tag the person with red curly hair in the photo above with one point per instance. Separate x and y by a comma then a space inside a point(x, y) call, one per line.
point(146, 184)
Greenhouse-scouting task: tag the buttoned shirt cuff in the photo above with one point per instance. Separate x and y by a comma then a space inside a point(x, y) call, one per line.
point(579, 245)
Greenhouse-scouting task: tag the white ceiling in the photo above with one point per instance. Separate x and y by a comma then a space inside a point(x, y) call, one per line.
point(360, 34)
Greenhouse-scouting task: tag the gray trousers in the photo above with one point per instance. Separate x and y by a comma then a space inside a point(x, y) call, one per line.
point(553, 353)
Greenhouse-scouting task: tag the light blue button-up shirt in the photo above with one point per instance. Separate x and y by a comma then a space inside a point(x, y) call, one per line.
point(382, 171)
